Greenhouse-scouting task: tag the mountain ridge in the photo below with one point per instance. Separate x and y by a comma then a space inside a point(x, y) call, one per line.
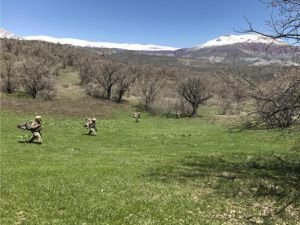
point(247, 48)
point(93, 44)
point(219, 41)
point(235, 39)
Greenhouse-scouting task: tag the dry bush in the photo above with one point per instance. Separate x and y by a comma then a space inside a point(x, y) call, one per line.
point(93, 90)
point(151, 84)
point(86, 71)
point(38, 76)
point(48, 93)
point(230, 92)
point(9, 73)
point(277, 101)
point(182, 107)
point(163, 107)
point(65, 85)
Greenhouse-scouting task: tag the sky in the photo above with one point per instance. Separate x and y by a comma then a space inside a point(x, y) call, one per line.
point(176, 23)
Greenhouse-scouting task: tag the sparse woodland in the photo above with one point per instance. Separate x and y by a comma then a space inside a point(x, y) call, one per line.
point(269, 95)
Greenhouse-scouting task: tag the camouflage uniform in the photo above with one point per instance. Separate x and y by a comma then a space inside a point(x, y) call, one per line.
point(91, 125)
point(35, 128)
point(137, 116)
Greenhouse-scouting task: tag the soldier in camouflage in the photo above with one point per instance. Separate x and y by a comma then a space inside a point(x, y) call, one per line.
point(137, 116)
point(35, 127)
point(91, 125)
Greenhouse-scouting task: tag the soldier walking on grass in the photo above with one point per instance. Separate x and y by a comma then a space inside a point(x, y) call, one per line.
point(35, 127)
point(91, 125)
point(137, 116)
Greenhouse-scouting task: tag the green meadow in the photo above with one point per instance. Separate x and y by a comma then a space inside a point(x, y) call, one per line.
point(159, 171)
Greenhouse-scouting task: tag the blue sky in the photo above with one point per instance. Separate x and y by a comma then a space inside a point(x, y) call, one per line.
point(177, 23)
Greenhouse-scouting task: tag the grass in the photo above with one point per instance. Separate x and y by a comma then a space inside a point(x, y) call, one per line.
point(68, 85)
point(159, 171)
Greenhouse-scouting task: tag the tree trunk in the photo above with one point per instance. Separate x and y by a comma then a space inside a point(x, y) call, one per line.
point(109, 92)
point(9, 88)
point(34, 93)
point(195, 110)
point(120, 95)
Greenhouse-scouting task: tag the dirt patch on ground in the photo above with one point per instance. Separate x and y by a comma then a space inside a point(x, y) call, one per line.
point(77, 108)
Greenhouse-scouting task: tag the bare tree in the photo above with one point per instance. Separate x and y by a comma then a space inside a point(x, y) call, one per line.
point(150, 83)
point(229, 89)
point(224, 93)
point(8, 74)
point(106, 75)
point(86, 71)
point(37, 76)
point(126, 77)
point(284, 21)
point(194, 90)
point(277, 101)
point(7, 45)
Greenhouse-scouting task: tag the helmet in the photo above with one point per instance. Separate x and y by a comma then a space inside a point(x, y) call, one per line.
point(38, 117)
point(94, 119)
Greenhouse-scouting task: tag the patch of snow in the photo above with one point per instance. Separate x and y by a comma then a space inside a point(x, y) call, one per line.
point(6, 34)
point(234, 39)
point(83, 43)
point(216, 59)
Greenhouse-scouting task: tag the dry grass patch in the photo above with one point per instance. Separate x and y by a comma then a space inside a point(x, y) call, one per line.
point(78, 107)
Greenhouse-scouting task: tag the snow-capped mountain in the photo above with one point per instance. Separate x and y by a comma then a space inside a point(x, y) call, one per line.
point(235, 39)
point(83, 43)
point(220, 41)
point(249, 48)
point(6, 34)
point(77, 42)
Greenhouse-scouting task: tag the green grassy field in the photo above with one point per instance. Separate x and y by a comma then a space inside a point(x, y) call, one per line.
point(159, 171)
